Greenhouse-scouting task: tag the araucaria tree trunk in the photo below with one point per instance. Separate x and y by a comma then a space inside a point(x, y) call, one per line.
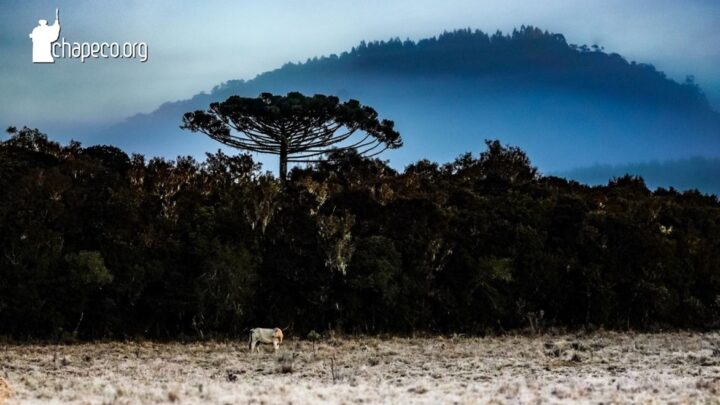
point(283, 161)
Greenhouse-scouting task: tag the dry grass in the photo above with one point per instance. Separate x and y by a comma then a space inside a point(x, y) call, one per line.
point(607, 367)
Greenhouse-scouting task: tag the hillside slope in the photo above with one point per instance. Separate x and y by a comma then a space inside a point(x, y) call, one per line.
point(568, 106)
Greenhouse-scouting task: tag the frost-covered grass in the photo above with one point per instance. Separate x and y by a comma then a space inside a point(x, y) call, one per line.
point(605, 367)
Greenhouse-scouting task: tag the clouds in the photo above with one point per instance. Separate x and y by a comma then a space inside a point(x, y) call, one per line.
point(194, 46)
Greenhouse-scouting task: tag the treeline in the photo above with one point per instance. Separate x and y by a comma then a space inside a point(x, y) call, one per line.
point(528, 55)
point(695, 172)
point(98, 244)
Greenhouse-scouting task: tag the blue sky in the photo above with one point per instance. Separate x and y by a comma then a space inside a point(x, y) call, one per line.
point(196, 45)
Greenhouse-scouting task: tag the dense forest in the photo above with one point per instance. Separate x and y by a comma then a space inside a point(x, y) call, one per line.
point(99, 244)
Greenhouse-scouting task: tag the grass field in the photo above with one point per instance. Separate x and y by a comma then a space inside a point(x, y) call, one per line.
point(604, 367)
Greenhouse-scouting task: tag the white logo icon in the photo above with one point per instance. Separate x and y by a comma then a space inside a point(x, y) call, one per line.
point(42, 37)
point(47, 48)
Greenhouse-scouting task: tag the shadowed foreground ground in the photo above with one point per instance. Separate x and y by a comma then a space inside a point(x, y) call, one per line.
point(607, 367)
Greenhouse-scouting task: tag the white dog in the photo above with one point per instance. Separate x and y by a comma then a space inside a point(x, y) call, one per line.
point(265, 335)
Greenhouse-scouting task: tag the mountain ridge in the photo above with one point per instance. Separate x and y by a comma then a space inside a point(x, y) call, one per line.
point(373, 49)
point(569, 106)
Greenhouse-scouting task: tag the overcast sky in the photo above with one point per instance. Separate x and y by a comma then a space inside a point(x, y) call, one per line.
point(196, 45)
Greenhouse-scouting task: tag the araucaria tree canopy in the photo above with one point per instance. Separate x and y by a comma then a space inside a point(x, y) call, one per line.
point(295, 127)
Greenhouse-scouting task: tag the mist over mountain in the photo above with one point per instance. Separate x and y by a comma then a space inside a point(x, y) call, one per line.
point(568, 106)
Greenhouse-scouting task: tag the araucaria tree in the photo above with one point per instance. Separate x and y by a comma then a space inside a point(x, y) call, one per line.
point(297, 128)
